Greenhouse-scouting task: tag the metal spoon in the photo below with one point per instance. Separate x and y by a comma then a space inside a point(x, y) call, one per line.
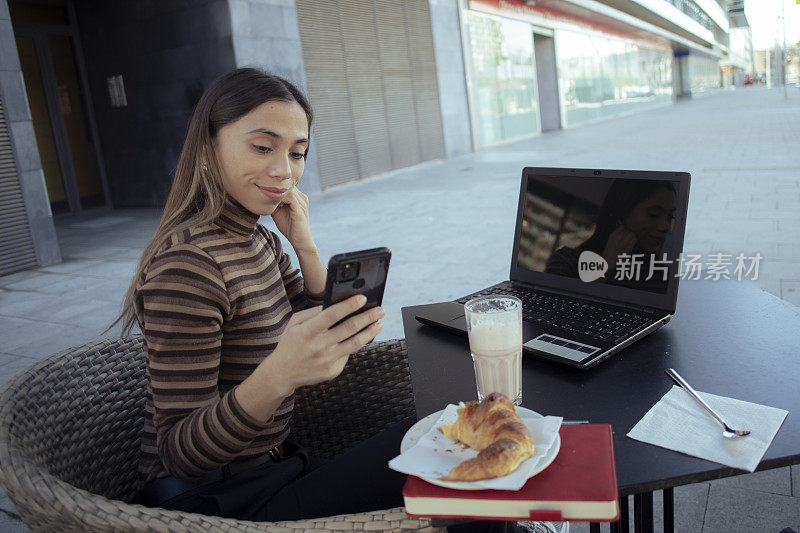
point(729, 432)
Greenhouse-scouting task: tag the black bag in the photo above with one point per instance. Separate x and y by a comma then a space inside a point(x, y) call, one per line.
point(237, 490)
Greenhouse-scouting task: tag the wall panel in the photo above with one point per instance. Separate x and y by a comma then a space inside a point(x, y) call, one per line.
point(372, 81)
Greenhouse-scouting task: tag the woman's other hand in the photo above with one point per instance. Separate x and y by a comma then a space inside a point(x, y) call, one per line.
point(291, 219)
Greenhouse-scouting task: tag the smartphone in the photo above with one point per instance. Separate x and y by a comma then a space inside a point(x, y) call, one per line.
point(362, 272)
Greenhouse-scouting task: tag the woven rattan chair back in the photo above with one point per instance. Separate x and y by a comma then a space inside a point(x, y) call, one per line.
point(372, 393)
point(70, 430)
point(80, 416)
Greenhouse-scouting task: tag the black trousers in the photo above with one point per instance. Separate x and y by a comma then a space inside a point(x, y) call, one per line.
point(297, 488)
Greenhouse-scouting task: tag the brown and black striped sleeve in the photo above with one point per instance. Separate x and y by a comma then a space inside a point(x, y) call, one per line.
point(299, 297)
point(183, 303)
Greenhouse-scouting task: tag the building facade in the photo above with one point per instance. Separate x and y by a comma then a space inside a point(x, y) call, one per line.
point(95, 95)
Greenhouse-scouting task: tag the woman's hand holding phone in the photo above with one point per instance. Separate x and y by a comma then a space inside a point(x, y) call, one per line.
point(310, 351)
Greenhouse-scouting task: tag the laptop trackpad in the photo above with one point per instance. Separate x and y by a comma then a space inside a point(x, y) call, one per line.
point(561, 347)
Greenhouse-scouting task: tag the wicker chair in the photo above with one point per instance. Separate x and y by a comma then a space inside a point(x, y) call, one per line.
point(70, 430)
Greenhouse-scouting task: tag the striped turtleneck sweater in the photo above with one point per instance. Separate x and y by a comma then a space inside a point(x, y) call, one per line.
point(212, 304)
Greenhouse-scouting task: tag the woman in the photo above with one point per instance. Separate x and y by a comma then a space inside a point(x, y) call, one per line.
point(231, 327)
point(635, 219)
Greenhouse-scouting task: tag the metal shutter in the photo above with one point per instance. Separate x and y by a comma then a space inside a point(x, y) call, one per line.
point(423, 69)
point(323, 55)
point(16, 242)
point(378, 55)
point(366, 89)
point(397, 83)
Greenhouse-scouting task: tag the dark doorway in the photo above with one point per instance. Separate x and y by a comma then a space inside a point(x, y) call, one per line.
point(62, 119)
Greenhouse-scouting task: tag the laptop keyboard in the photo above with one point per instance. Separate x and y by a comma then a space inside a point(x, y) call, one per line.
point(570, 315)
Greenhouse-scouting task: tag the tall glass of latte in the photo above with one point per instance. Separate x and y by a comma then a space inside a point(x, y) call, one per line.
point(494, 324)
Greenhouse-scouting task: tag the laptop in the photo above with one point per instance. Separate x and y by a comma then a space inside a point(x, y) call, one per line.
point(596, 261)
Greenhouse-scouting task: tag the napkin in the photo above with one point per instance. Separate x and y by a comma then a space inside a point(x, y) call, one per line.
point(678, 423)
point(433, 455)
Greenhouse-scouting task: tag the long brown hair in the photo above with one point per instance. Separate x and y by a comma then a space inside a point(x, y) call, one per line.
point(197, 196)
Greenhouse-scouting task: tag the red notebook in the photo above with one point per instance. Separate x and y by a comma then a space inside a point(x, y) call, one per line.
point(580, 485)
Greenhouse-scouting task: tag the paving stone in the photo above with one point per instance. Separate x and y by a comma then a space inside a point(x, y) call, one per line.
point(98, 222)
point(71, 284)
point(72, 266)
point(95, 315)
point(775, 481)
point(110, 289)
point(12, 366)
point(7, 357)
point(733, 509)
point(12, 328)
point(690, 506)
point(11, 525)
point(772, 286)
point(789, 227)
point(17, 276)
point(772, 215)
point(5, 502)
point(29, 280)
point(790, 291)
point(788, 251)
point(110, 269)
point(39, 339)
point(68, 309)
point(583, 527)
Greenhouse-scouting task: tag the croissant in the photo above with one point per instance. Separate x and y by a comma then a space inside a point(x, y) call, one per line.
point(494, 429)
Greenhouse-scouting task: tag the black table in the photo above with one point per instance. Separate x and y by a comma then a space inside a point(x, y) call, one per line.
point(727, 338)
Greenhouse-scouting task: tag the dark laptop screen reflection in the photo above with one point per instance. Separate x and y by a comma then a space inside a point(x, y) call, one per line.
point(574, 226)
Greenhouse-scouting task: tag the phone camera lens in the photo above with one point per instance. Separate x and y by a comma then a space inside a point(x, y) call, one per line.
point(348, 272)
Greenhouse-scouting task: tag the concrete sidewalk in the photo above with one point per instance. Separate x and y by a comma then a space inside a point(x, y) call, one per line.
point(449, 226)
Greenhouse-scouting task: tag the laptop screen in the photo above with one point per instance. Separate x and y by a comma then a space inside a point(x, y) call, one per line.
point(617, 231)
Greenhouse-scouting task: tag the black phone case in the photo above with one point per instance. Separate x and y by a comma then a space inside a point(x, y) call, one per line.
point(373, 267)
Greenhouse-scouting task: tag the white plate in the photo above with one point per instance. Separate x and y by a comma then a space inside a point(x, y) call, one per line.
point(423, 426)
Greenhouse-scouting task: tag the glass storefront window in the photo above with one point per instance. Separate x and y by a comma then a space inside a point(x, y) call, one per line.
point(504, 96)
point(601, 76)
point(704, 74)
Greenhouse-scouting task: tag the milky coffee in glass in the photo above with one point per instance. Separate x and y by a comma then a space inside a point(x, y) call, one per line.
point(494, 324)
